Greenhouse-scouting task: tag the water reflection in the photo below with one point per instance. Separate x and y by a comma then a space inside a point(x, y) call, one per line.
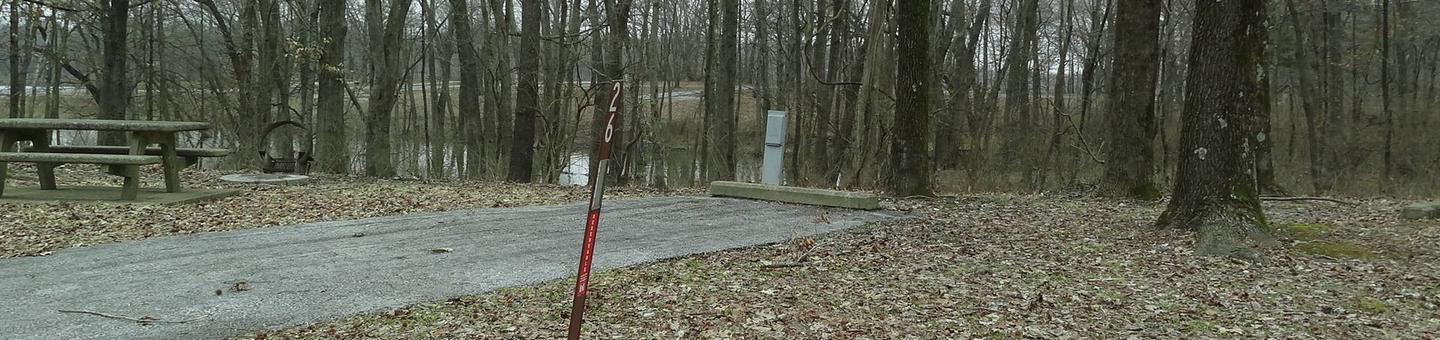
point(577, 170)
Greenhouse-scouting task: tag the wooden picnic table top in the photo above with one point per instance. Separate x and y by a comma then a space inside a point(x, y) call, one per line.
point(101, 125)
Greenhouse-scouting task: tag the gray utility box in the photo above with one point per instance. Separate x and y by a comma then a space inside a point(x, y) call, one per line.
point(774, 163)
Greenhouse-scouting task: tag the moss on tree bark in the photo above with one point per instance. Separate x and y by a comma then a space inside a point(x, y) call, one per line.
point(1216, 192)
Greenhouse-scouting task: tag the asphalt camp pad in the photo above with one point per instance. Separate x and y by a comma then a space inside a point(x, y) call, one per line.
point(280, 276)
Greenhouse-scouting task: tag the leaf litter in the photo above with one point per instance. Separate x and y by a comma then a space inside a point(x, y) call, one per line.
point(988, 266)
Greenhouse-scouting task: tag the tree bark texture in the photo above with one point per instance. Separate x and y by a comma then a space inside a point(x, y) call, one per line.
point(114, 93)
point(527, 99)
point(1215, 191)
point(909, 153)
point(1130, 160)
point(468, 100)
point(721, 120)
point(386, 53)
point(333, 152)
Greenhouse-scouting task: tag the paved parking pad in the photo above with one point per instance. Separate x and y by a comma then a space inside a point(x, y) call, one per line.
point(226, 284)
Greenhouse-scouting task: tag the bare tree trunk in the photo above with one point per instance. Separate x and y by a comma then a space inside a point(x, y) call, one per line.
point(269, 92)
point(527, 100)
point(333, 154)
point(1129, 162)
point(872, 80)
point(386, 53)
point(909, 154)
point(439, 65)
point(17, 76)
point(556, 142)
point(1261, 135)
point(1058, 126)
point(504, 82)
point(306, 74)
point(1320, 173)
point(720, 127)
point(796, 66)
point(57, 40)
point(114, 94)
point(1015, 153)
point(469, 100)
point(1215, 190)
point(1389, 160)
point(1098, 19)
point(949, 121)
point(1335, 126)
point(965, 95)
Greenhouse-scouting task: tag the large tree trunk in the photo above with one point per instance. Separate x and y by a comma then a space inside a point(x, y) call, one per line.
point(469, 96)
point(1261, 137)
point(527, 99)
point(333, 153)
point(720, 126)
point(114, 93)
point(910, 154)
point(386, 53)
point(1130, 160)
point(1215, 190)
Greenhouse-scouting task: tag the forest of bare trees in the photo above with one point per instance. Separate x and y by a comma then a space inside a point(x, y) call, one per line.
point(908, 96)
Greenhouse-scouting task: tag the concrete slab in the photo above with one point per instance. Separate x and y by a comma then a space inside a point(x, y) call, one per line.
point(272, 179)
point(86, 194)
point(820, 197)
point(1421, 211)
point(322, 271)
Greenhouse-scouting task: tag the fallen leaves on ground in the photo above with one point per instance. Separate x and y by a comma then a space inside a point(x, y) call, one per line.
point(37, 229)
point(991, 267)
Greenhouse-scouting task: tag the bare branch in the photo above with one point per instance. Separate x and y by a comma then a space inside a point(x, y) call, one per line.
point(52, 6)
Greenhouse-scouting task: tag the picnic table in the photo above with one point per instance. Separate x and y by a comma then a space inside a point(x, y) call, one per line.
point(123, 160)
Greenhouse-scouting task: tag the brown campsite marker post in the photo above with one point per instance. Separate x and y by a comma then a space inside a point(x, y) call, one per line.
point(592, 220)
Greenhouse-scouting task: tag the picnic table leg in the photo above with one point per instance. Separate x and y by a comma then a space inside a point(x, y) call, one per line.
point(131, 190)
point(7, 144)
point(171, 161)
point(46, 171)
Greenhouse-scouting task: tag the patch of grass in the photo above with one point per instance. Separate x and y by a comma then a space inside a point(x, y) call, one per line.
point(1337, 249)
point(1372, 305)
point(1200, 327)
point(1306, 231)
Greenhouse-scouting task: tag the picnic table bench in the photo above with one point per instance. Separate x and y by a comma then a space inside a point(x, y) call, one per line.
point(124, 161)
